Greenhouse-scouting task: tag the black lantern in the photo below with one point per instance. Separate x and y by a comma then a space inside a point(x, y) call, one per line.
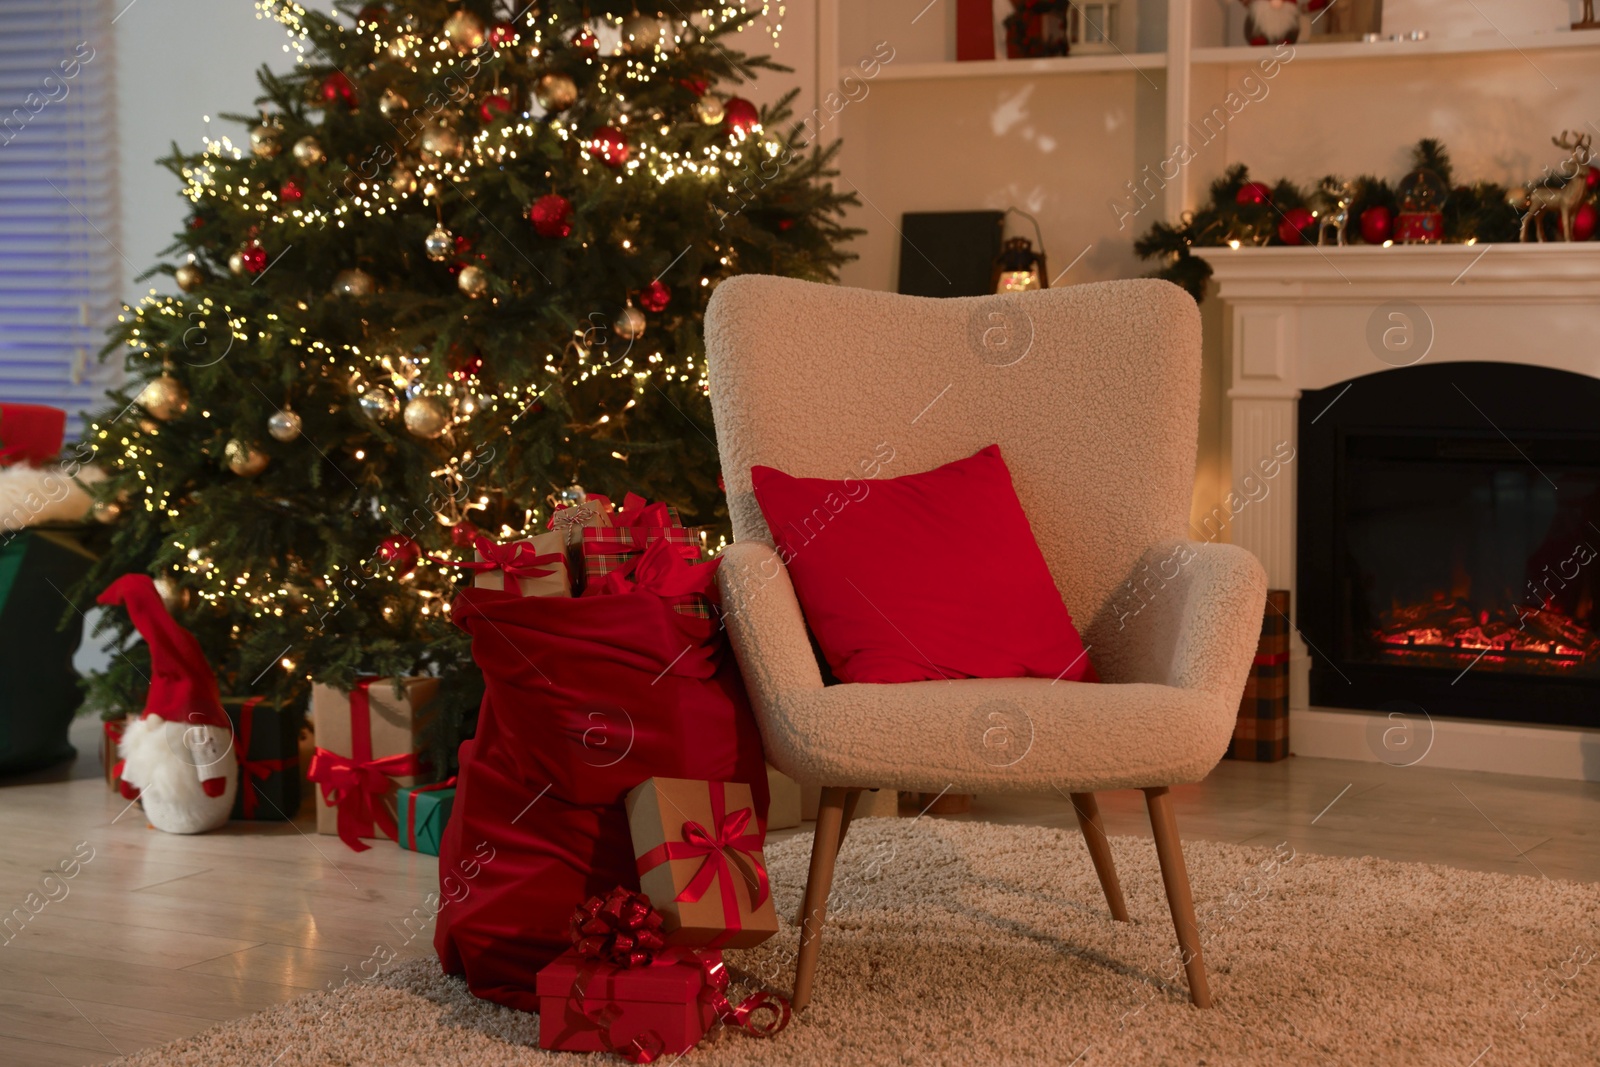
point(1018, 268)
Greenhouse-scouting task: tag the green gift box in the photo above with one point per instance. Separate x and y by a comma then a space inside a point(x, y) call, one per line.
point(422, 812)
point(37, 568)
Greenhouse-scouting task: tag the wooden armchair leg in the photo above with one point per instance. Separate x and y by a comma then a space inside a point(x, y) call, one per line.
point(1094, 835)
point(851, 798)
point(824, 850)
point(1175, 875)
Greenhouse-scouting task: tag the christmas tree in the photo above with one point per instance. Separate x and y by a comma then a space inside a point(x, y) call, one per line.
point(454, 270)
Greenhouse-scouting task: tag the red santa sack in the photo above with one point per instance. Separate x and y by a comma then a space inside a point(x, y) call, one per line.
point(585, 698)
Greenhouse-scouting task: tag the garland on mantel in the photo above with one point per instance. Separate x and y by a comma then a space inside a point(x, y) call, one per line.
point(1246, 212)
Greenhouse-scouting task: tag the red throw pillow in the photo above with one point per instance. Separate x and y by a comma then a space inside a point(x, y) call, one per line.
point(898, 587)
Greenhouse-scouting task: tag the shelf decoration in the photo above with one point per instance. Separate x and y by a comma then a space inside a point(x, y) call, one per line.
point(1036, 28)
point(1429, 205)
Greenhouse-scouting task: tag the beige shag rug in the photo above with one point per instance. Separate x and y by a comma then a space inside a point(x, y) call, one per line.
point(967, 943)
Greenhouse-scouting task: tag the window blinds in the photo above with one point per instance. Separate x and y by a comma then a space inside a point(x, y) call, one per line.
point(60, 267)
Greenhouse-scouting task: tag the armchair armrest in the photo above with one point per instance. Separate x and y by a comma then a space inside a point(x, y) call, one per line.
point(1189, 616)
point(765, 625)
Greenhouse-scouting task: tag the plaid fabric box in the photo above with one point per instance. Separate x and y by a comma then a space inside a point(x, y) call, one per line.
point(1262, 732)
point(606, 548)
point(695, 605)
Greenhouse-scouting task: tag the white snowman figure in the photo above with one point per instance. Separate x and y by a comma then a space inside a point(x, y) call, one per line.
point(177, 758)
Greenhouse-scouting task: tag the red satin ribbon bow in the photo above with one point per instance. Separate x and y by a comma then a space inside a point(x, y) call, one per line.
point(733, 837)
point(636, 512)
point(662, 569)
point(250, 769)
point(515, 561)
point(356, 784)
point(617, 929)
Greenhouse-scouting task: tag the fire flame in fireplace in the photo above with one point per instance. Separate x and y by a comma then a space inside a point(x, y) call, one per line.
point(1448, 630)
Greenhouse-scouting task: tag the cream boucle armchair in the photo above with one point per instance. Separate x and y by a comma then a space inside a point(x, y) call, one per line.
point(1092, 393)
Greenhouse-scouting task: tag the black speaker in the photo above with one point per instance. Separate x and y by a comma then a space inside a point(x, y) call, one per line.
point(949, 253)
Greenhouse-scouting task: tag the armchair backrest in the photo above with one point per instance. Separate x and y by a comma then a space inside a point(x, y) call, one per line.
point(1092, 393)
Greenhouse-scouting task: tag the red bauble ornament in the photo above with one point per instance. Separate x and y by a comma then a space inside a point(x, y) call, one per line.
point(551, 215)
point(740, 114)
point(609, 146)
point(1591, 177)
point(463, 534)
point(1377, 225)
point(399, 550)
point(1292, 225)
point(1583, 222)
point(1254, 193)
point(464, 367)
point(196, 222)
point(372, 13)
point(784, 224)
point(502, 34)
point(585, 41)
point(336, 89)
point(255, 258)
point(494, 105)
point(655, 297)
point(290, 192)
point(463, 244)
point(697, 86)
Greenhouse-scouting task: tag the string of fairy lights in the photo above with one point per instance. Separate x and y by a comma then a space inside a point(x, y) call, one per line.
point(424, 184)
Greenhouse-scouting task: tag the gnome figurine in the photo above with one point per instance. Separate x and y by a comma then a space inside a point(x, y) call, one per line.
point(177, 758)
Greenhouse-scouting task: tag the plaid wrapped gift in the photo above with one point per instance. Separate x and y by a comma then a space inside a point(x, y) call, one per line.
point(1262, 732)
point(607, 548)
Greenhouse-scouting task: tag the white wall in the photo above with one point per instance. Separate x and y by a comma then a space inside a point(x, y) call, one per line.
point(177, 62)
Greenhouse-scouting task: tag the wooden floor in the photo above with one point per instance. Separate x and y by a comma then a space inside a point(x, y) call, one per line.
point(159, 936)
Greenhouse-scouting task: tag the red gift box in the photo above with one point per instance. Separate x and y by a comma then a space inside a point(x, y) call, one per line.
point(586, 1005)
point(609, 548)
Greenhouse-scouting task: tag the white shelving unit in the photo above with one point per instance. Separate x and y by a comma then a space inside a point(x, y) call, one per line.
point(1192, 62)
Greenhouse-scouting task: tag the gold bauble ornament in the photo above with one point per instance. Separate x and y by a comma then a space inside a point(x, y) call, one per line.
point(438, 143)
point(641, 33)
point(380, 404)
point(106, 511)
point(236, 264)
point(403, 180)
point(470, 404)
point(356, 282)
point(426, 417)
point(164, 397)
point(630, 324)
point(189, 277)
point(283, 425)
point(439, 244)
point(464, 31)
point(391, 104)
point(265, 141)
point(709, 110)
point(555, 92)
point(474, 281)
point(308, 151)
point(245, 460)
point(174, 597)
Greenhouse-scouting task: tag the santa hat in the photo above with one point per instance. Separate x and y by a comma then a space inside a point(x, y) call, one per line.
point(182, 687)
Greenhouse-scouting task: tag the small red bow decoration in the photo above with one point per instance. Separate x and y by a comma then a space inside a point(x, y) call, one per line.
point(621, 928)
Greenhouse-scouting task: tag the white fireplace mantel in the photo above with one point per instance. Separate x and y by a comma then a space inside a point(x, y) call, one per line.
point(1312, 317)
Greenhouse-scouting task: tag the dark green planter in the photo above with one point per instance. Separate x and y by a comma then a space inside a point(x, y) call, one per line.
point(38, 687)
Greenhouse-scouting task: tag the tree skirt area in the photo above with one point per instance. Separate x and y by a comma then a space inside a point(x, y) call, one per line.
point(965, 943)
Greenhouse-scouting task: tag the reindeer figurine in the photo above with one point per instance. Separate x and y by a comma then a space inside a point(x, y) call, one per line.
point(1332, 203)
point(1565, 200)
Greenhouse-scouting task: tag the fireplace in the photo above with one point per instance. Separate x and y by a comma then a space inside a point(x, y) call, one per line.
point(1449, 542)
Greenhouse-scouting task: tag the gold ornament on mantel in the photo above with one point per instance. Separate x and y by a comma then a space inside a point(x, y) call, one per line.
point(164, 397)
point(245, 460)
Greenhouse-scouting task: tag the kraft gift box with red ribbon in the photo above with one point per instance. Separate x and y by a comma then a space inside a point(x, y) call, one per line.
point(422, 812)
point(266, 738)
point(622, 989)
point(698, 847)
point(537, 566)
point(367, 745)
